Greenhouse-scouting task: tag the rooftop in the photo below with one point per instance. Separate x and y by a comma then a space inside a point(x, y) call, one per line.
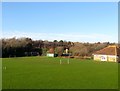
point(51, 50)
point(109, 50)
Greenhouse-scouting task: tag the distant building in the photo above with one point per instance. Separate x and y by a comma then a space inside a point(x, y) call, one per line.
point(51, 52)
point(110, 53)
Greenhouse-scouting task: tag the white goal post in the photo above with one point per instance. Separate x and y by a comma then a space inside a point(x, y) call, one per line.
point(68, 61)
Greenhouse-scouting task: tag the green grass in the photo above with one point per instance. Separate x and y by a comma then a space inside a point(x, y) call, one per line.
point(47, 73)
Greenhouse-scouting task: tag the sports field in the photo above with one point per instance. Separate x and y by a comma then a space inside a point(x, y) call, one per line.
point(48, 73)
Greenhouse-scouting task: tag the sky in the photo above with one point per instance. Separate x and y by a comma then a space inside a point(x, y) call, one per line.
point(70, 21)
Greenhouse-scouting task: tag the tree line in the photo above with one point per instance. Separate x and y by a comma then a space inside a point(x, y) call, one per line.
point(19, 47)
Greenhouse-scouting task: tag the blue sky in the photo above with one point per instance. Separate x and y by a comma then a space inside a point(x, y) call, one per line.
point(82, 22)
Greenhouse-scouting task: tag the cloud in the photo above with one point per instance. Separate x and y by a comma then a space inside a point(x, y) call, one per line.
point(76, 37)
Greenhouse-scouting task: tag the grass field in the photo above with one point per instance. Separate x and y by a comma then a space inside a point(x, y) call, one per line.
point(48, 73)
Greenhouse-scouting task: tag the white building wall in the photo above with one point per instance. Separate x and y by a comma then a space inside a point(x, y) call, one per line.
point(103, 57)
point(50, 55)
point(111, 58)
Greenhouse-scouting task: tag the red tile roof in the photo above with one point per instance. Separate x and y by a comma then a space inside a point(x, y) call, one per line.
point(110, 50)
point(51, 50)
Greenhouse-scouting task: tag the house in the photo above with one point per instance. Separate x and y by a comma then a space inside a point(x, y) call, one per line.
point(51, 52)
point(110, 53)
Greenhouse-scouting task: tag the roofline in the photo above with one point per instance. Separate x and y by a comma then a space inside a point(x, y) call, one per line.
point(114, 46)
